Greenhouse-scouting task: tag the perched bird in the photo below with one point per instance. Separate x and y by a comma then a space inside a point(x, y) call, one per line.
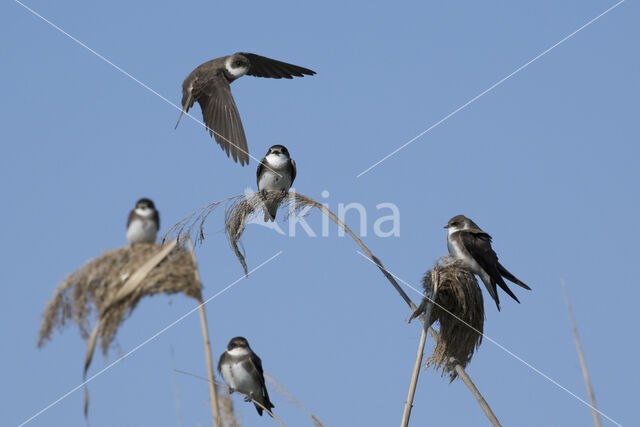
point(209, 85)
point(241, 370)
point(143, 223)
point(276, 172)
point(468, 243)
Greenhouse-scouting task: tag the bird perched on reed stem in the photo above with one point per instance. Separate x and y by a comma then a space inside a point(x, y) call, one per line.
point(468, 243)
point(143, 223)
point(276, 172)
point(241, 370)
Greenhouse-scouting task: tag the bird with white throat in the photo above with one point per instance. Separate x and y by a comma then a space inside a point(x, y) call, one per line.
point(143, 223)
point(470, 244)
point(241, 370)
point(276, 172)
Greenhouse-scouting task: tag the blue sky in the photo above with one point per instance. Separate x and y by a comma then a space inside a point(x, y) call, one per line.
point(546, 163)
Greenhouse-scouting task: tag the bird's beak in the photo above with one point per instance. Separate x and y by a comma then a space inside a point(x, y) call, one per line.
point(446, 226)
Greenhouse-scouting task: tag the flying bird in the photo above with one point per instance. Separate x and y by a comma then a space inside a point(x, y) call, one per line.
point(276, 172)
point(209, 85)
point(242, 371)
point(468, 243)
point(143, 223)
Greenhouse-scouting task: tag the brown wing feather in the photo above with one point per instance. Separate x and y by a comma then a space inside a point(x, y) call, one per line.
point(256, 366)
point(293, 171)
point(261, 66)
point(260, 170)
point(221, 116)
point(131, 215)
point(478, 243)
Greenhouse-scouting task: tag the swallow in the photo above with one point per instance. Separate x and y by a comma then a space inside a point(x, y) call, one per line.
point(241, 370)
point(143, 223)
point(209, 85)
point(276, 172)
point(468, 243)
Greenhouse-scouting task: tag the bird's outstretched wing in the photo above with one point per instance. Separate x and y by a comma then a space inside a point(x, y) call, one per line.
point(221, 116)
point(261, 66)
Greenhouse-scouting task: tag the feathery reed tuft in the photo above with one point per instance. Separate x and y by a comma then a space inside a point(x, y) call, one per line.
point(112, 285)
point(183, 229)
point(247, 207)
point(228, 415)
point(458, 294)
point(98, 287)
point(280, 388)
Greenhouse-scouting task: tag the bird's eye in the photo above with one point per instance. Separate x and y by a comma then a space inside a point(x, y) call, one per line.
point(238, 63)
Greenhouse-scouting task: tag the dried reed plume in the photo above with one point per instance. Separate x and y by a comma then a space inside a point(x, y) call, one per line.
point(227, 413)
point(93, 288)
point(184, 228)
point(111, 287)
point(245, 208)
point(458, 298)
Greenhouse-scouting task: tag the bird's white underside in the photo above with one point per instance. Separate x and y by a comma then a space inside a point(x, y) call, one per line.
point(464, 256)
point(238, 378)
point(142, 231)
point(270, 180)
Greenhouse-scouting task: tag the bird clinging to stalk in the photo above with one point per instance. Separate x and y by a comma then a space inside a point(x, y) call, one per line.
point(143, 222)
point(468, 243)
point(276, 172)
point(242, 371)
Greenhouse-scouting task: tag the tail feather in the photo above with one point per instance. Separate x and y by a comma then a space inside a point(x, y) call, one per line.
point(270, 211)
point(507, 275)
point(186, 104)
point(179, 118)
point(493, 292)
point(266, 403)
point(505, 288)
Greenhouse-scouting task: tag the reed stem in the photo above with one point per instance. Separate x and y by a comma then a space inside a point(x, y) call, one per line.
point(207, 348)
point(583, 363)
